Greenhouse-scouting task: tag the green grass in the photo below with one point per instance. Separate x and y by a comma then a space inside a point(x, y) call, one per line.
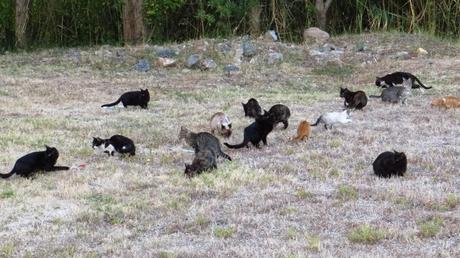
point(430, 227)
point(347, 193)
point(366, 234)
point(224, 232)
point(7, 193)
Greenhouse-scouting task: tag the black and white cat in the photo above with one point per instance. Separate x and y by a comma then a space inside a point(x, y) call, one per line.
point(33, 162)
point(331, 118)
point(132, 98)
point(117, 144)
point(396, 78)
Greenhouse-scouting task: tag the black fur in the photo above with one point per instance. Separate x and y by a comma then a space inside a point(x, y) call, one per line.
point(132, 98)
point(256, 132)
point(280, 113)
point(353, 99)
point(252, 108)
point(120, 143)
point(393, 79)
point(204, 160)
point(389, 164)
point(33, 162)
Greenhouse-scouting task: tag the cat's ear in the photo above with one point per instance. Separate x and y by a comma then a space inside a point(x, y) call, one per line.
point(47, 147)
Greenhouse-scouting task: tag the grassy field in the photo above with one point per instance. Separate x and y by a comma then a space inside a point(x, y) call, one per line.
point(318, 198)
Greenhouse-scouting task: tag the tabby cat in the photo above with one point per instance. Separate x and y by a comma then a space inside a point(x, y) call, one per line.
point(280, 113)
point(353, 99)
point(204, 160)
point(396, 94)
point(201, 141)
point(303, 131)
point(446, 102)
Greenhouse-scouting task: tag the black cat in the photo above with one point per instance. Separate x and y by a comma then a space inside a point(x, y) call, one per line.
point(256, 132)
point(252, 108)
point(33, 162)
point(280, 113)
point(132, 98)
point(393, 79)
point(353, 99)
point(116, 144)
point(204, 160)
point(389, 164)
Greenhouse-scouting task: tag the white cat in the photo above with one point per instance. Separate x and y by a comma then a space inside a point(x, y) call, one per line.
point(331, 118)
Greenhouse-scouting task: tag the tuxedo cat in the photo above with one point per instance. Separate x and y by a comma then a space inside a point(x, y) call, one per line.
point(396, 94)
point(33, 162)
point(331, 118)
point(393, 79)
point(389, 164)
point(252, 108)
point(132, 98)
point(353, 99)
point(280, 113)
point(116, 144)
point(256, 132)
point(204, 160)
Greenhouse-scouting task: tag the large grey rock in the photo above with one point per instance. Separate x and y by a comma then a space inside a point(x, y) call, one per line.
point(208, 64)
point(193, 61)
point(166, 53)
point(142, 65)
point(249, 50)
point(316, 35)
point(274, 57)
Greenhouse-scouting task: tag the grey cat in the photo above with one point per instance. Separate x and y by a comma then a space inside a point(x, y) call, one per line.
point(396, 94)
point(205, 160)
point(201, 141)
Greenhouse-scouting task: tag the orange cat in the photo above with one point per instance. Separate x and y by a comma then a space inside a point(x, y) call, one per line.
point(303, 131)
point(446, 102)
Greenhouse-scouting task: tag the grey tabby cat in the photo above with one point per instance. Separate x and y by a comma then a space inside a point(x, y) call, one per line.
point(201, 141)
point(396, 94)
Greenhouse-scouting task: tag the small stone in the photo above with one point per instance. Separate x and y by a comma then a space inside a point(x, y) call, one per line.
point(142, 65)
point(421, 52)
point(208, 64)
point(316, 35)
point(193, 61)
point(224, 48)
point(274, 57)
point(166, 53)
point(271, 35)
point(249, 50)
point(231, 69)
point(166, 62)
point(402, 55)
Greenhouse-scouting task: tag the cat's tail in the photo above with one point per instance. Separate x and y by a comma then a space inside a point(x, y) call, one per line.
point(112, 104)
point(375, 96)
point(237, 146)
point(7, 175)
point(421, 84)
point(317, 121)
point(224, 155)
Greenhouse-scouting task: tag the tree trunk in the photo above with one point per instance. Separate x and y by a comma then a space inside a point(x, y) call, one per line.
point(321, 12)
point(256, 10)
point(21, 19)
point(133, 22)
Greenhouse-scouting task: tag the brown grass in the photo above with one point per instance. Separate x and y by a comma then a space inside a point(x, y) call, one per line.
point(285, 200)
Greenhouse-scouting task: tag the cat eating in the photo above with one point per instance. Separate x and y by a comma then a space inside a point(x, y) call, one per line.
point(256, 132)
point(280, 114)
point(393, 79)
point(396, 94)
point(221, 124)
point(204, 160)
point(303, 131)
point(331, 118)
point(353, 99)
point(132, 98)
point(252, 108)
point(31, 163)
point(389, 164)
point(201, 141)
point(117, 144)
